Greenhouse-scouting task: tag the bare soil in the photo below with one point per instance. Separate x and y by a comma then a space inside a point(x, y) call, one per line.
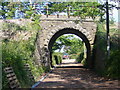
point(73, 75)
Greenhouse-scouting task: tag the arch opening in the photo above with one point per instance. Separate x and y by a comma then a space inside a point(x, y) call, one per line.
point(70, 31)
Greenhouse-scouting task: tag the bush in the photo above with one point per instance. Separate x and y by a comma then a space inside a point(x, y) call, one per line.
point(56, 58)
point(53, 60)
point(80, 57)
point(84, 62)
point(15, 54)
point(34, 27)
point(113, 65)
point(18, 53)
point(60, 59)
point(73, 56)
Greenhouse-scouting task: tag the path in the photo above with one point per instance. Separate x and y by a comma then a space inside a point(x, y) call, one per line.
point(72, 75)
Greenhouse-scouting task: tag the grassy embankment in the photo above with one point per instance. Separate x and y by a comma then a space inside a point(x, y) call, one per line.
point(18, 52)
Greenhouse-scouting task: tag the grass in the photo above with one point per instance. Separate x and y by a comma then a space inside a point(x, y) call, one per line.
point(19, 53)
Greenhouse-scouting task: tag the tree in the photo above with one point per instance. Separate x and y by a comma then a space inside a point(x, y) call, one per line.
point(81, 9)
point(71, 44)
point(3, 10)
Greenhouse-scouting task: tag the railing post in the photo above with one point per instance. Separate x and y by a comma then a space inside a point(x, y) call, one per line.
point(69, 12)
point(47, 11)
point(58, 14)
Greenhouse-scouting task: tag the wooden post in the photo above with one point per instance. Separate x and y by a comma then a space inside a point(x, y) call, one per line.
point(47, 11)
point(58, 14)
point(69, 12)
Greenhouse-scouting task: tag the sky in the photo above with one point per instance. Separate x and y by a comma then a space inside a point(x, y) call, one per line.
point(114, 12)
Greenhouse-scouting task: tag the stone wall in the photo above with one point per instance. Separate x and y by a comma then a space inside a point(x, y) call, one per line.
point(50, 28)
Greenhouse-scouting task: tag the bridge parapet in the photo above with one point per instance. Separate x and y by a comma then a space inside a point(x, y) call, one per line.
point(64, 18)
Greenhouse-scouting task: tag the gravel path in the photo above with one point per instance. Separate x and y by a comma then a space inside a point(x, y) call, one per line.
point(72, 75)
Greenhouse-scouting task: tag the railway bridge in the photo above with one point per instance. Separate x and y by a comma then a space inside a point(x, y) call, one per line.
point(53, 27)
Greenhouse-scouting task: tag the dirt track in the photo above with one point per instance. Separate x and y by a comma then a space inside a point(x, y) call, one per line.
point(72, 75)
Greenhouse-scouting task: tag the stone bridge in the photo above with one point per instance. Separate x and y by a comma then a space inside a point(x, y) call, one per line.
point(53, 27)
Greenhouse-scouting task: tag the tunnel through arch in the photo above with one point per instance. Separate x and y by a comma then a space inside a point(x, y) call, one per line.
point(70, 31)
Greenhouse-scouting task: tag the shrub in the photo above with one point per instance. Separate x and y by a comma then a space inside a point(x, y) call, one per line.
point(73, 56)
point(15, 54)
point(60, 59)
point(80, 57)
point(84, 62)
point(18, 53)
point(56, 58)
point(53, 60)
point(113, 65)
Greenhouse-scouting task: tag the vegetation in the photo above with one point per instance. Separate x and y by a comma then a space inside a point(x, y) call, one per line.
point(17, 53)
point(56, 58)
point(80, 9)
point(9, 9)
point(72, 45)
point(112, 63)
point(80, 57)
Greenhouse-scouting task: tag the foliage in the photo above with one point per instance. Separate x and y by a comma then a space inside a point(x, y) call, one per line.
point(112, 20)
point(80, 57)
point(113, 65)
point(12, 27)
point(14, 54)
point(56, 58)
point(9, 8)
point(101, 36)
point(33, 26)
point(58, 7)
point(19, 53)
point(71, 44)
point(89, 9)
point(73, 56)
point(3, 11)
point(82, 9)
point(60, 42)
point(84, 62)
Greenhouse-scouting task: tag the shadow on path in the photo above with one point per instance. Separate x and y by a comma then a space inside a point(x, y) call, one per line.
point(73, 75)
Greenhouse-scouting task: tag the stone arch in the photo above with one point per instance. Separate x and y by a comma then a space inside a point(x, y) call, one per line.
point(51, 30)
point(82, 33)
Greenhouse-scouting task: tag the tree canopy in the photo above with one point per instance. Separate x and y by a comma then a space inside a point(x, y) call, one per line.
point(71, 44)
point(81, 9)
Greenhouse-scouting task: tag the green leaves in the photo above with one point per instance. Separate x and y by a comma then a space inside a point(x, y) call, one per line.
point(71, 44)
point(14, 51)
point(81, 9)
point(113, 65)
